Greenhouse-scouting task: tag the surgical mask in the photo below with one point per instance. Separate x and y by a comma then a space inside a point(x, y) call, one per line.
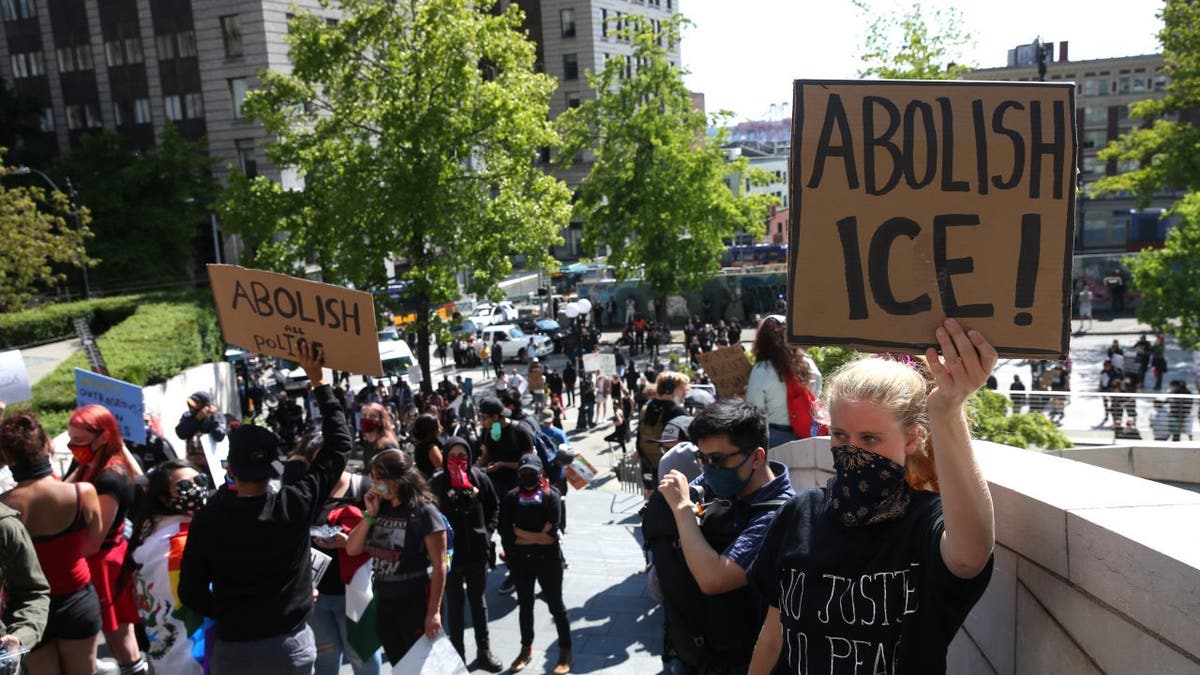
point(867, 489)
point(82, 452)
point(383, 490)
point(370, 425)
point(495, 431)
point(725, 481)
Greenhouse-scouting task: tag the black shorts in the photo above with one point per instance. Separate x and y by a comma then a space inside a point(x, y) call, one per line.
point(75, 616)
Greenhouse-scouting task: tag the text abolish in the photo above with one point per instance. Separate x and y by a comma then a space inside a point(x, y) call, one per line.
point(917, 201)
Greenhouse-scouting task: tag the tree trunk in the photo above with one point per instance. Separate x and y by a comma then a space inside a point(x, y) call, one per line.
point(423, 344)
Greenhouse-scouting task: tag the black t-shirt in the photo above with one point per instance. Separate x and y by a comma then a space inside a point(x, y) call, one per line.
point(515, 440)
point(118, 486)
point(530, 512)
point(421, 457)
point(396, 542)
point(862, 599)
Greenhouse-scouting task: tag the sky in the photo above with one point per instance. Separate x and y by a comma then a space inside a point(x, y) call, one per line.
point(744, 55)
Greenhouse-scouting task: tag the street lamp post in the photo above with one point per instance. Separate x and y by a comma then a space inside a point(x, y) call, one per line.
point(73, 196)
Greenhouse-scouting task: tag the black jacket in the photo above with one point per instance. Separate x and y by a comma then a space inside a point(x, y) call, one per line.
point(189, 426)
point(247, 563)
point(473, 517)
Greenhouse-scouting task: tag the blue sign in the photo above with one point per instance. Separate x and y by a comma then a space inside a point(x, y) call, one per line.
point(123, 400)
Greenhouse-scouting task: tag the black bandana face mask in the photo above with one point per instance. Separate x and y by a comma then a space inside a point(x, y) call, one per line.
point(868, 489)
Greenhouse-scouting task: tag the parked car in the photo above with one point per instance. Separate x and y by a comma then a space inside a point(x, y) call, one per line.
point(290, 376)
point(489, 314)
point(548, 327)
point(394, 352)
point(515, 343)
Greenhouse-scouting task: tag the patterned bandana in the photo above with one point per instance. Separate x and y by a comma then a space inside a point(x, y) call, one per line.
point(868, 489)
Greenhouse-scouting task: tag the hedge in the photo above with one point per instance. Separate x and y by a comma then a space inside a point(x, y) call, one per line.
point(54, 321)
point(160, 340)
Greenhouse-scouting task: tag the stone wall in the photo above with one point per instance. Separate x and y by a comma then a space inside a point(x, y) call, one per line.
point(1096, 571)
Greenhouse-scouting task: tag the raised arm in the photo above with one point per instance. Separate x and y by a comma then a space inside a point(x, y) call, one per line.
point(969, 536)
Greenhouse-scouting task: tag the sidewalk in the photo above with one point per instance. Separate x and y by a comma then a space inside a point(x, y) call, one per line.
point(40, 361)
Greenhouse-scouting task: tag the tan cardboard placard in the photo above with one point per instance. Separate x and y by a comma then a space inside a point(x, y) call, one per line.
point(728, 369)
point(270, 313)
point(918, 200)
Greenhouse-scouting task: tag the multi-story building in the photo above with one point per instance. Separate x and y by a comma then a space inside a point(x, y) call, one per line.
point(1105, 89)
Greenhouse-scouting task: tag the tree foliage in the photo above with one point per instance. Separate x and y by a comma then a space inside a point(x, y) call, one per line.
point(990, 421)
point(1167, 277)
point(38, 239)
point(155, 200)
point(415, 126)
point(1166, 148)
point(912, 45)
point(656, 196)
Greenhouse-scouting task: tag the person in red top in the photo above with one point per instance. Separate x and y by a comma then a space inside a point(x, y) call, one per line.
point(66, 525)
point(100, 459)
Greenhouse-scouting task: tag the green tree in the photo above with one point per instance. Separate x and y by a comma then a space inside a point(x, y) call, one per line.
point(38, 237)
point(1165, 150)
point(415, 126)
point(990, 421)
point(656, 196)
point(910, 46)
point(155, 200)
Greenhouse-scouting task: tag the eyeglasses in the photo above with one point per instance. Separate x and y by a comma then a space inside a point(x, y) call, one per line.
point(717, 461)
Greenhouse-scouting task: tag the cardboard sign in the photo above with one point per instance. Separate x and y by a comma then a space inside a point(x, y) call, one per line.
point(580, 473)
point(216, 455)
point(916, 201)
point(728, 370)
point(272, 313)
point(605, 364)
point(123, 400)
point(14, 379)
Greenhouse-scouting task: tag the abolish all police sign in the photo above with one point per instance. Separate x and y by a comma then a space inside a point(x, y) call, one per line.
point(273, 313)
point(916, 201)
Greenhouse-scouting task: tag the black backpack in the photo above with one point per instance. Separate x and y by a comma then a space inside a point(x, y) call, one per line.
point(704, 629)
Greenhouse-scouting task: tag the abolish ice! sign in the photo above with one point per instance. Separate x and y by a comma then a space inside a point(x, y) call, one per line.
point(917, 201)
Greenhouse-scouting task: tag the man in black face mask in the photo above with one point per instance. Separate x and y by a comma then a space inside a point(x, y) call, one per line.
point(703, 539)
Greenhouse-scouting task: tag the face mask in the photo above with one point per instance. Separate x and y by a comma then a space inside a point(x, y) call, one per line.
point(192, 497)
point(82, 453)
point(369, 425)
point(868, 488)
point(382, 490)
point(495, 431)
point(725, 481)
point(528, 480)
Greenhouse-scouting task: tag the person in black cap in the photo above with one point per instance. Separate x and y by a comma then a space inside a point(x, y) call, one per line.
point(201, 418)
point(247, 562)
point(529, 518)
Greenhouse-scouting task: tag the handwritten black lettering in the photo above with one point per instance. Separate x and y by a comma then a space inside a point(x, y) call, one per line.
point(882, 140)
point(879, 262)
point(835, 116)
point(946, 267)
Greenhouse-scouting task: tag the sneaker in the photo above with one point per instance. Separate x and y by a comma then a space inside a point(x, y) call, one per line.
point(508, 586)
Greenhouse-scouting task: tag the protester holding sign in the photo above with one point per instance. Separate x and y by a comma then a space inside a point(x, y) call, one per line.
point(893, 535)
point(101, 459)
point(405, 535)
point(175, 491)
point(775, 363)
point(247, 563)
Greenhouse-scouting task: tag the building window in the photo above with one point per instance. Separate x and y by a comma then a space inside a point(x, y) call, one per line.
point(173, 106)
point(1160, 82)
point(570, 67)
point(1139, 84)
point(91, 117)
point(1095, 114)
point(573, 100)
point(193, 105)
point(187, 43)
point(603, 23)
point(1094, 140)
point(628, 67)
point(1092, 165)
point(74, 117)
point(1091, 87)
point(12, 10)
point(113, 53)
point(141, 111)
point(237, 93)
point(118, 114)
point(77, 57)
point(176, 45)
point(133, 50)
point(245, 156)
point(165, 45)
point(29, 64)
point(46, 119)
point(567, 16)
point(231, 33)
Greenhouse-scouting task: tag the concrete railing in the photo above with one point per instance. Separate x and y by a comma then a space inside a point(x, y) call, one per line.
point(1096, 571)
point(1161, 461)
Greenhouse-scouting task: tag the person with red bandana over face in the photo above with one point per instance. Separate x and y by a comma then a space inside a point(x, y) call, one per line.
point(469, 501)
point(100, 459)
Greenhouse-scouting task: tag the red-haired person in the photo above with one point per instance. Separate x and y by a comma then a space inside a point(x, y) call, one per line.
point(64, 522)
point(100, 459)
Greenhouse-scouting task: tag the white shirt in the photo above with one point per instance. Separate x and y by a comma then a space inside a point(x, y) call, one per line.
point(769, 393)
